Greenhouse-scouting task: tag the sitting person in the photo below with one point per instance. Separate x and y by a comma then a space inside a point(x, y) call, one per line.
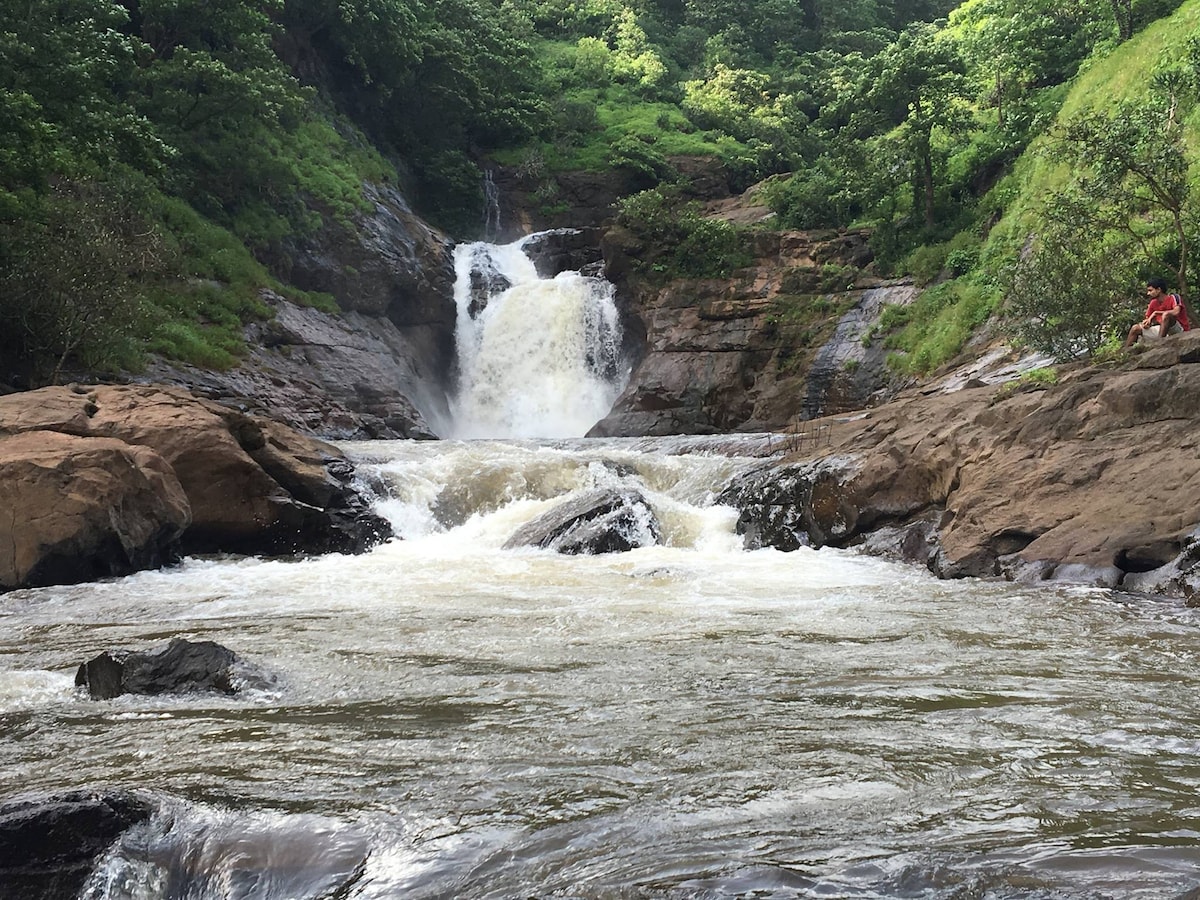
point(1165, 314)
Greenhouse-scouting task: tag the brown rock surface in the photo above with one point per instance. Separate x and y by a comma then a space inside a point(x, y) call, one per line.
point(1095, 478)
point(80, 508)
point(779, 339)
point(220, 480)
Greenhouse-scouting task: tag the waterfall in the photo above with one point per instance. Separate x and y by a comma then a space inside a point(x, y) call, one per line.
point(537, 357)
point(491, 207)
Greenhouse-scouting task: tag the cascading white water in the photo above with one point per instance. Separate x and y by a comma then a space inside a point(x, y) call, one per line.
point(538, 358)
point(451, 718)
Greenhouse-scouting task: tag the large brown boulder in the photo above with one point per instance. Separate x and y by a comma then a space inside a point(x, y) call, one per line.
point(81, 508)
point(236, 483)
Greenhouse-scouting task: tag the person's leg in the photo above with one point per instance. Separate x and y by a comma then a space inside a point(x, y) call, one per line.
point(1134, 333)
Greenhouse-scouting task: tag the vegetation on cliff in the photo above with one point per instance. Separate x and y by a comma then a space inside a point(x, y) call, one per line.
point(160, 159)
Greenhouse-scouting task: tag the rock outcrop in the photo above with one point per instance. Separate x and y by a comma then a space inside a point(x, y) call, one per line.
point(109, 479)
point(49, 845)
point(382, 366)
point(605, 520)
point(1094, 479)
point(347, 377)
point(779, 340)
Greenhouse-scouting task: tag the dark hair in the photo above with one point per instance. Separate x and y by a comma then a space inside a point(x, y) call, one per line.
point(1160, 283)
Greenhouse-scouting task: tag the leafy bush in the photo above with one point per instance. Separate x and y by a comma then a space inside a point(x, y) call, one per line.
point(1067, 295)
point(956, 257)
point(682, 243)
point(640, 160)
point(72, 273)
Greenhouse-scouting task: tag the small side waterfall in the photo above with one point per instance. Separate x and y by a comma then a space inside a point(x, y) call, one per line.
point(538, 357)
point(491, 206)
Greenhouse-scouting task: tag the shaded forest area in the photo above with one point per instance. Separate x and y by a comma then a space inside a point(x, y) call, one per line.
point(158, 156)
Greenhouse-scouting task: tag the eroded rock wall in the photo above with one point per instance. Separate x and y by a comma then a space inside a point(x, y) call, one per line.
point(1095, 479)
point(107, 480)
point(379, 369)
point(776, 342)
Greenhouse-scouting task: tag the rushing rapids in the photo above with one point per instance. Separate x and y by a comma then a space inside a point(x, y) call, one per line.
point(452, 719)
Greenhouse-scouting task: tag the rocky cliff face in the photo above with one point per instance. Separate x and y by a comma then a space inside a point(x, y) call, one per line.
point(778, 341)
point(381, 369)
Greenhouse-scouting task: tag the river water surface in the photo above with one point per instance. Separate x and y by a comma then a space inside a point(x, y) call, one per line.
point(688, 720)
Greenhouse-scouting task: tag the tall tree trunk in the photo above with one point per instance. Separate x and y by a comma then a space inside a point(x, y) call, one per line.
point(1123, 13)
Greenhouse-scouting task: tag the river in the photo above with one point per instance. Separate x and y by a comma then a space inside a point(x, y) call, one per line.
point(683, 720)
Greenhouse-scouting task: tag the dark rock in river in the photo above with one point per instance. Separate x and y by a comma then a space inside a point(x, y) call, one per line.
point(787, 507)
point(601, 521)
point(49, 845)
point(183, 667)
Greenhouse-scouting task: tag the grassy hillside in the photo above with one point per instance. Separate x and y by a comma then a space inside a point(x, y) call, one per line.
point(1121, 73)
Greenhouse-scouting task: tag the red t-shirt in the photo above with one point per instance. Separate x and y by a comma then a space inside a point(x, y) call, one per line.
point(1159, 305)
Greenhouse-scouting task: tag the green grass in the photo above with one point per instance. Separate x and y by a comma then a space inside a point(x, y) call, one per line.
point(621, 115)
point(1123, 73)
point(201, 311)
point(933, 329)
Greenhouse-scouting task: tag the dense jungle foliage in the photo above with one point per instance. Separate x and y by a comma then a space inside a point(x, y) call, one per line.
point(157, 155)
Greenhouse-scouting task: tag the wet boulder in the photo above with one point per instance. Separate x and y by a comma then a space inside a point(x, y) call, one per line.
point(49, 845)
point(801, 505)
point(601, 521)
point(183, 667)
point(169, 472)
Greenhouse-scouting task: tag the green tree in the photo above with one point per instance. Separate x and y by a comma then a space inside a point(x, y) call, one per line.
point(919, 84)
point(1122, 11)
point(1131, 179)
point(67, 69)
point(1066, 293)
point(1013, 47)
point(72, 274)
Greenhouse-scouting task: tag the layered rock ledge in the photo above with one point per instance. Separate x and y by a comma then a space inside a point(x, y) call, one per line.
point(106, 480)
point(1094, 479)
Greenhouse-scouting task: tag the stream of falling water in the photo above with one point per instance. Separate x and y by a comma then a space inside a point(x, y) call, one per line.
point(450, 719)
point(537, 357)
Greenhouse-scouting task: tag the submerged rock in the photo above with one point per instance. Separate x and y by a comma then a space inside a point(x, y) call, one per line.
point(600, 521)
point(49, 845)
point(183, 667)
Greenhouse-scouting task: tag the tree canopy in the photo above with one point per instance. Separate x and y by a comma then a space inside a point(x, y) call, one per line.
point(226, 128)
